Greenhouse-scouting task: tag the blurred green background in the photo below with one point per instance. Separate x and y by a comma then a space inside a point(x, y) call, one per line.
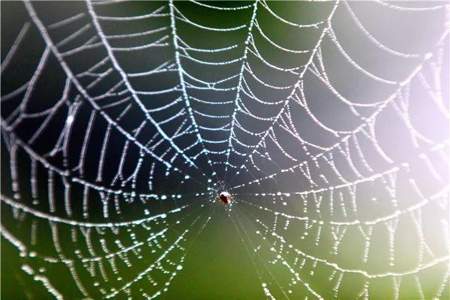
point(218, 254)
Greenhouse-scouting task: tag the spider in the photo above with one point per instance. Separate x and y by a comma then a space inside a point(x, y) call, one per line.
point(225, 197)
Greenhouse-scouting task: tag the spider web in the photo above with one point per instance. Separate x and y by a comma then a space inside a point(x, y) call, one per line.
point(326, 121)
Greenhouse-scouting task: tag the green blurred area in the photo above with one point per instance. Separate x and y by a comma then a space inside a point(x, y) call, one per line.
point(220, 259)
